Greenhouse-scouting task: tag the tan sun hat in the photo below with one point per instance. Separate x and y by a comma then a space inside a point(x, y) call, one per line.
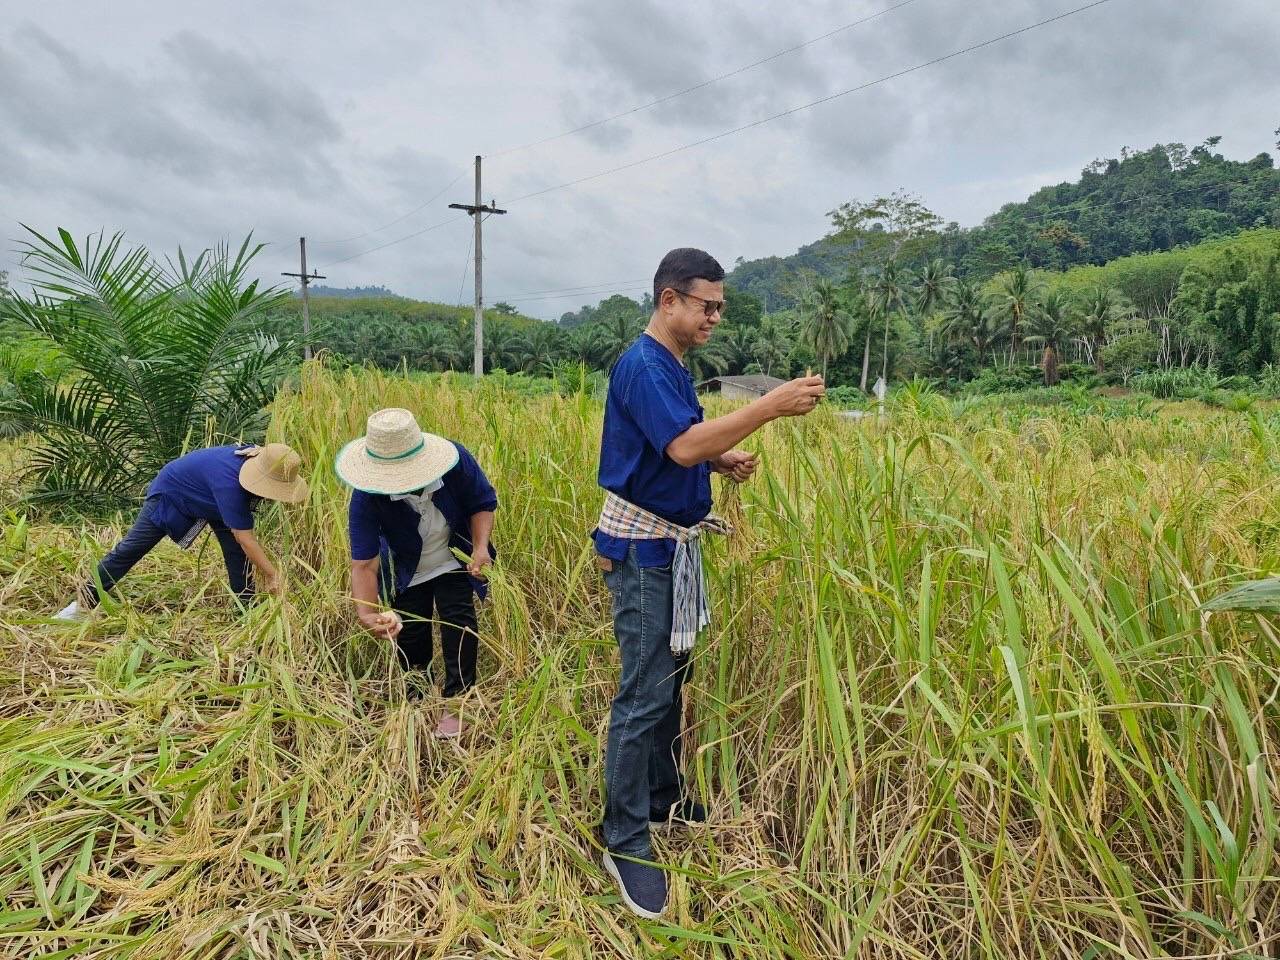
point(394, 456)
point(273, 471)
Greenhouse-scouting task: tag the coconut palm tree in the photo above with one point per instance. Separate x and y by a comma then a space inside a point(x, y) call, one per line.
point(967, 318)
point(772, 343)
point(936, 281)
point(1052, 325)
point(1015, 298)
point(892, 292)
point(1103, 307)
point(161, 357)
point(825, 323)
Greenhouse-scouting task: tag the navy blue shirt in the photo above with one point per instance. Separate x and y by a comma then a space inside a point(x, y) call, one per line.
point(386, 528)
point(651, 401)
point(202, 485)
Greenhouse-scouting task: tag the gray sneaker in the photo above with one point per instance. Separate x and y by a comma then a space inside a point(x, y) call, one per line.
point(642, 885)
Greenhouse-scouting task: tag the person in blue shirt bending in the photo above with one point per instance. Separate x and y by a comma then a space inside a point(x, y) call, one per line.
point(657, 453)
point(216, 487)
point(417, 498)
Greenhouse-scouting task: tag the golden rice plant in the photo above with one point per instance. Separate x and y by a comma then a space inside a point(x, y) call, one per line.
point(960, 700)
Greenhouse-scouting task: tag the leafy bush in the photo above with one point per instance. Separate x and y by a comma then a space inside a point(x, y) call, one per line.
point(160, 358)
point(1240, 402)
point(847, 398)
point(1005, 379)
point(1177, 382)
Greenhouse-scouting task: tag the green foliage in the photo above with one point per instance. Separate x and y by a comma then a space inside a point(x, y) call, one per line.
point(1141, 202)
point(1177, 382)
point(160, 357)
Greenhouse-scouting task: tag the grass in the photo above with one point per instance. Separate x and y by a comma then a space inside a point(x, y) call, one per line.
point(960, 700)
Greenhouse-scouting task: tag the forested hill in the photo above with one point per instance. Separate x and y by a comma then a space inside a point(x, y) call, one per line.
point(1144, 201)
point(350, 293)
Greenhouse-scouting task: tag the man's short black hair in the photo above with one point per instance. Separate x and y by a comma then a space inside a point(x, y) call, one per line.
point(681, 267)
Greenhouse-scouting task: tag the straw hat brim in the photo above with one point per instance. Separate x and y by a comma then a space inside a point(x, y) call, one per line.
point(253, 479)
point(433, 460)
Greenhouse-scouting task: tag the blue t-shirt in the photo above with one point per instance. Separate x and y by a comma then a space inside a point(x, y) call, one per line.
point(203, 485)
point(651, 401)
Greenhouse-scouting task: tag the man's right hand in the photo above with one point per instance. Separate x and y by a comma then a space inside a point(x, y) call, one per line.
point(797, 397)
point(385, 625)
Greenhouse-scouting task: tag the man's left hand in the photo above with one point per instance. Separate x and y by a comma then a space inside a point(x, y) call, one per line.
point(737, 465)
point(480, 558)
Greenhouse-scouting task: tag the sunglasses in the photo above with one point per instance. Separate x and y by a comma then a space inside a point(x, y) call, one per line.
point(709, 307)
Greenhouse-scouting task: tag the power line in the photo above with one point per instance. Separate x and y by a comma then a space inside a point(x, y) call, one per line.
point(814, 103)
point(703, 84)
point(392, 223)
point(466, 265)
point(392, 243)
point(590, 286)
point(602, 294)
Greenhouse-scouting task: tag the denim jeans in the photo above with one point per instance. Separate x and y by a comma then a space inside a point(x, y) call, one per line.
point(642, 760)
point(145, 534)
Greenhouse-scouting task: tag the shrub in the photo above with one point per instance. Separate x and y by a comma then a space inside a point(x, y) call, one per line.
point(163, 358)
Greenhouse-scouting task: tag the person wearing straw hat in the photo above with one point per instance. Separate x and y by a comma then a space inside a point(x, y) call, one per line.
point(416, 499)
point(657, 453)
point(215, 487)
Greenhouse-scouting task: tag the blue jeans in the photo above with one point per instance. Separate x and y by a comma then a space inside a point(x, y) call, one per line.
point(145, 534)
point(642, 760)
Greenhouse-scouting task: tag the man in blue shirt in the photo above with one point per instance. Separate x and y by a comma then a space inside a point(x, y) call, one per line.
point(417, 498)
point(217, 487)
point(657, 454)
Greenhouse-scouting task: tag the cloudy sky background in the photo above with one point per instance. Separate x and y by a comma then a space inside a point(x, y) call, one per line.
point(185, 124)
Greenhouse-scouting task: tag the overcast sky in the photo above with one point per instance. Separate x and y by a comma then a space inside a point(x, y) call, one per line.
point(186, 124)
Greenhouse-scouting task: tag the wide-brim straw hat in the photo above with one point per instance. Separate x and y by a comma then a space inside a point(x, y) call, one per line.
point(273, 471)
point(395, 455)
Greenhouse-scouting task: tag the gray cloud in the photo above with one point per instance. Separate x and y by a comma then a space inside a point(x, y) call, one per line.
point(182, 129)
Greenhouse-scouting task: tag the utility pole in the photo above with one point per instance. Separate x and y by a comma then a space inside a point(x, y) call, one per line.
point(476, 210)
point(306, 278)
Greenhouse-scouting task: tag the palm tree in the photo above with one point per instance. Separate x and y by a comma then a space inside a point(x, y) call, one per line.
point(540, 347)
point(825, 326)
point(501, 346)
point(967, 318)
point(871, 311)
point(437, 348)
point(738, 346)
point(1102, 308)
point(772, 343)
point(1052, 325)
point(1015, 297)
point(613, 336)
point(892, 291)
point(936, 281)
point(161, 356)
point(707, 361)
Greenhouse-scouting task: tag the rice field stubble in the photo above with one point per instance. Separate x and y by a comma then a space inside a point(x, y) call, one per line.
point(959, 700)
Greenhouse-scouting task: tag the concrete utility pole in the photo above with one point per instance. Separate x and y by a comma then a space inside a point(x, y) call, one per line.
point(476, 210)
point(306, 278)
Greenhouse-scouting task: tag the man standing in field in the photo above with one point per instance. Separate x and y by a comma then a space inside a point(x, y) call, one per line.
point(656, 457)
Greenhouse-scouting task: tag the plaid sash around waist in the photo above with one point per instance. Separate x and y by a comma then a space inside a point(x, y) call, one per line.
point(690, 609)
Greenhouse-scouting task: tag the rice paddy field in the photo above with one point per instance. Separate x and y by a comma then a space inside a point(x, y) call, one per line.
point(960, 700)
